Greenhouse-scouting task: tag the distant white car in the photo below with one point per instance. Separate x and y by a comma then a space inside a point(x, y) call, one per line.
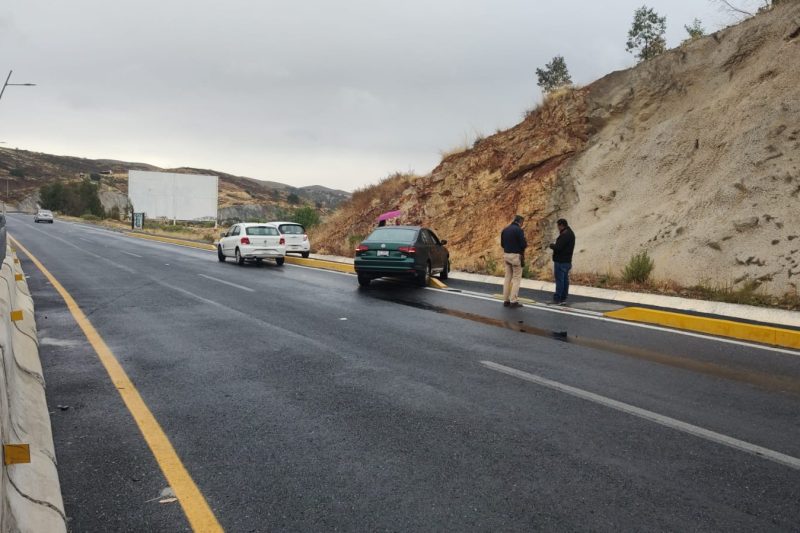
point(296, 237)
point(249, 241)
point(43, 215)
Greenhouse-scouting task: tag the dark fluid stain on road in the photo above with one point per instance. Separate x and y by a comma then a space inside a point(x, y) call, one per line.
point(765, 381)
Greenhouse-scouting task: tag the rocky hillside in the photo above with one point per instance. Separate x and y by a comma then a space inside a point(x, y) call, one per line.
point(692, 156)
point(25, 172)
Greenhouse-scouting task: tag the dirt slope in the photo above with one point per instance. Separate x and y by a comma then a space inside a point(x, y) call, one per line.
point(692, 156)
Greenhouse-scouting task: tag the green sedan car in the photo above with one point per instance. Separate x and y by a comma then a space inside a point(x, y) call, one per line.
point(402, 251)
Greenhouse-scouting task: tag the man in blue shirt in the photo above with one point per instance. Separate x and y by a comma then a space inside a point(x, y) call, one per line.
point(512, 239)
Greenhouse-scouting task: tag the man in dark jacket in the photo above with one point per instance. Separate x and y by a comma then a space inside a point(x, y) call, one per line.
point(562, 260)
point(512, 239)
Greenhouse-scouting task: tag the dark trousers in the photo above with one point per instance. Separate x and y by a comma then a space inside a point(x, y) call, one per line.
point(561, 272)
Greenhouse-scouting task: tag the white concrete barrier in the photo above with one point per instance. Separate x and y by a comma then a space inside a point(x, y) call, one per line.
point(30, 494)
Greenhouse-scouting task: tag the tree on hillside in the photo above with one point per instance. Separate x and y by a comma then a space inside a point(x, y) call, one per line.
point(646, 36)
point(74, 199)
point(696, 30)
point(307, 216)
point(293, 199)
point(554, 75)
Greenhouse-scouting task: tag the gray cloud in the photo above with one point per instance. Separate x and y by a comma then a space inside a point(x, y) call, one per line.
point(307, 92)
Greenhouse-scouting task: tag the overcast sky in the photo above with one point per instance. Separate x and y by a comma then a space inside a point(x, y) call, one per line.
point(306, 92)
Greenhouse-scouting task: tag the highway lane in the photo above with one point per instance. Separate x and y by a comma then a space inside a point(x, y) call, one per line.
point(289, 417)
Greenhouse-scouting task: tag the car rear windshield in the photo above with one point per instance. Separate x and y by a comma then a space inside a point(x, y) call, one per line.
point(45, 212)
point(292, 229)
point(393, 235)
point(261, 230)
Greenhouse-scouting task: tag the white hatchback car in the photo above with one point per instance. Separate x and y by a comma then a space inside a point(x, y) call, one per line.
point(43, 215)
point(296, 237)
point(252, 241)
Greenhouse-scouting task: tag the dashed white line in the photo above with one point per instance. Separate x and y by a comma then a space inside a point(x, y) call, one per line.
point(248, 289)
point(666, 421)
point(134, 255)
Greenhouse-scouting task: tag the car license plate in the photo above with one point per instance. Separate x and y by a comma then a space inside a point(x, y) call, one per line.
point(383, 253)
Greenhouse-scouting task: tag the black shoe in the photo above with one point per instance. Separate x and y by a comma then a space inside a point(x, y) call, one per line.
point(506, 303)
point(562, 302)
point(514, 305)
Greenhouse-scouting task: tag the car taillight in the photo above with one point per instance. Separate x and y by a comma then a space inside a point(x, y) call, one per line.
point(245, 240)
point(282, 241)
point(305, 237)
point(407, 249)
point(362, 248)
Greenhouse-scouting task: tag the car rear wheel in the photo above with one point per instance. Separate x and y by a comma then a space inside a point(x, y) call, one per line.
point(220, 255)
point(446, 271)
point(424, 276)
point(305, 255)
point(239, 258)
point(363, 280)
point(280, 260)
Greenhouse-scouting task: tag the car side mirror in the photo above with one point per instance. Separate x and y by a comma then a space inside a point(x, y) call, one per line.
point(223, 234)
point(443, 242)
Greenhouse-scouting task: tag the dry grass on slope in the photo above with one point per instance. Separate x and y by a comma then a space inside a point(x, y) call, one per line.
point(356, 218)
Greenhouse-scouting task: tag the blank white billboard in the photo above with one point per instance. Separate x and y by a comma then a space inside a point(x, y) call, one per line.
point(173, 196)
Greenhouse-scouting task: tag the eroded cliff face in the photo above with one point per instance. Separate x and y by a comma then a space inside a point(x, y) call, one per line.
point(692, 156)
point(473, 194)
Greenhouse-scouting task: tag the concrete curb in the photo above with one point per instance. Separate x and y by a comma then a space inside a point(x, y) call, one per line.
point(746, 312)
point(30, 492)
point(786, 338)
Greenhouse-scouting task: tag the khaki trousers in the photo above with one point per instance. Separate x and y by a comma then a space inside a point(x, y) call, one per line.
point(513, 264)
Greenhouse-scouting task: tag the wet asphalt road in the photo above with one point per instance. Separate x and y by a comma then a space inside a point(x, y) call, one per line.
point(299, 402)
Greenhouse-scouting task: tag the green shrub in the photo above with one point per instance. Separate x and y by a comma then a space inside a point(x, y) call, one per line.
point(638, 269)
point(90, 217)
point(490, 264)
point(306, 216)
point(526, 270)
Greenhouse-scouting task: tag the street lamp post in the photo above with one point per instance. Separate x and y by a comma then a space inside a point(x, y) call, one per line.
point(6, 84)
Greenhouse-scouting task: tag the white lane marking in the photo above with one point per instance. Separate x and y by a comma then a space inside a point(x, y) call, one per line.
point(594, 315)
point(129, 253)
point(666, 421)
point(248, 289)
point(85, 240)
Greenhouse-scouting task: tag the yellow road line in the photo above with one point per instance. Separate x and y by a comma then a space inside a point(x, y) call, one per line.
point(313, 263)
point(713, 326)
point(194, 505)
point(182, 242)
point(318, 263)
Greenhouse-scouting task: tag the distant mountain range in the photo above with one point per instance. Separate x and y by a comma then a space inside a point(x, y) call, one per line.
point(25, 172)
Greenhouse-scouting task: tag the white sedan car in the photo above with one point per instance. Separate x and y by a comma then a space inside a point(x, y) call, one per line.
point(296, 237)
point(43, 215)
point(251, 241)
